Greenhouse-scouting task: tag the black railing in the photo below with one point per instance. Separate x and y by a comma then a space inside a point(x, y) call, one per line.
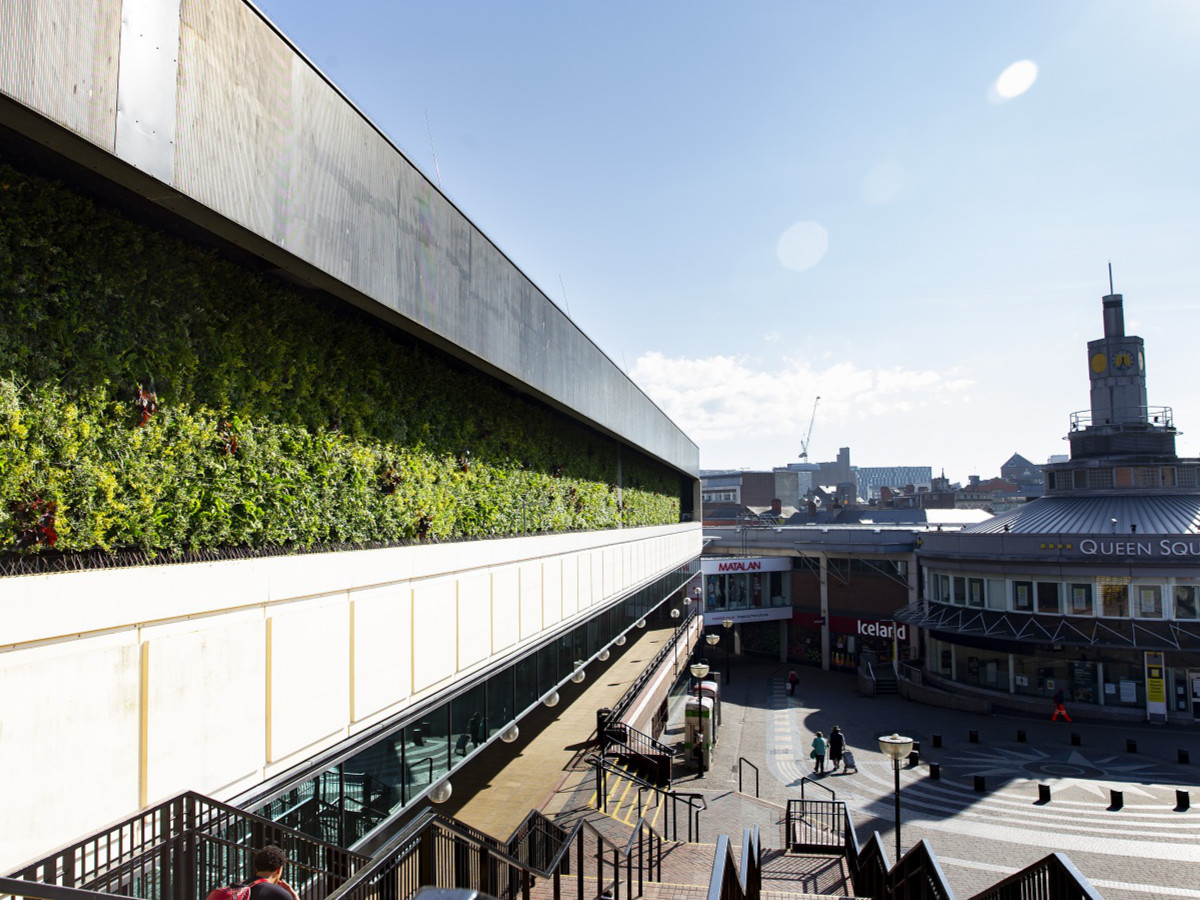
point(31, 890)
point(621, 707)
point(674, 803)
point(183, 848)
point(742, 762)
point(816, 825)
point(1053, 877)
point(652, 757)
point(537, 840)
point(805, 781)
point(726, 882)
point(435, 850)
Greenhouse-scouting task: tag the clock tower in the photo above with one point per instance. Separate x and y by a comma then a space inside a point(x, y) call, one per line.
point(1120, 422)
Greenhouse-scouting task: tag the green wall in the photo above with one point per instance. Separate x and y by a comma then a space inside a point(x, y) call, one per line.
point(278, 418)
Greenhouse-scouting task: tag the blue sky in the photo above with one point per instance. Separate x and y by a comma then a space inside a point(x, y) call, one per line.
point(749, 205)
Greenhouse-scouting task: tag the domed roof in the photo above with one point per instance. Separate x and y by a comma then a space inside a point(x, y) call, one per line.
point(1173, 513)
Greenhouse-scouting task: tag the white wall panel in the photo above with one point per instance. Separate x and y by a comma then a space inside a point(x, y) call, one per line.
point(382, 662)
point(531, 599)
point(506, 608)
point(69, 742)
point(474, 620)
point(570, 581)
point(552, 591)
point(435, 649)
point(204, 702)
point(309, 689)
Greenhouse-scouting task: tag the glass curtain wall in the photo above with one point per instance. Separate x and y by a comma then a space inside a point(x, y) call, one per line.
point(348, 800)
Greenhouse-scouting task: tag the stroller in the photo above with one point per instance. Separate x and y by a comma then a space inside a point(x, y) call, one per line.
point(848, 762)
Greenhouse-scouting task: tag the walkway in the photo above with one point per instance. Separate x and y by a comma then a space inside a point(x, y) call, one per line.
point(496, 791)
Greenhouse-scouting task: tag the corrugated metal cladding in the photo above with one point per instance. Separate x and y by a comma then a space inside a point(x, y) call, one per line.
point(1152, 514)
point(261, 138)
point(59, 57)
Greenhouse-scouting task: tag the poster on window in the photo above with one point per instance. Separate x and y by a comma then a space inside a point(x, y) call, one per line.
point(1156, 688)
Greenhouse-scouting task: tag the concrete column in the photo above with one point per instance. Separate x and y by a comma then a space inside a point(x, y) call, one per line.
point(1100, 683)
point(825, 611)
point(783, 640)
point(1012, 674)
point(914, 641)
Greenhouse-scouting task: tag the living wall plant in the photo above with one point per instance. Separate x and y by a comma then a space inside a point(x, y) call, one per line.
point(156, 395)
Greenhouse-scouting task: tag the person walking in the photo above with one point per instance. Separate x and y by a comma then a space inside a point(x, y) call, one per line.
point(1060, 708)
point(837, 745)
point(819, 746)
point(792, 680)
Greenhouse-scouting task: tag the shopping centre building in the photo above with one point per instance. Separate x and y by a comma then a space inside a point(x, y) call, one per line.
point(1093, 587)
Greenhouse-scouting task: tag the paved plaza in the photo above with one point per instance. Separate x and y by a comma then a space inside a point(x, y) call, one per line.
point(1149, 847)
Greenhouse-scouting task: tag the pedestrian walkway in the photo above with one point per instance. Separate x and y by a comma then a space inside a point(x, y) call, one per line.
point(495, 791)
point(1147, 847)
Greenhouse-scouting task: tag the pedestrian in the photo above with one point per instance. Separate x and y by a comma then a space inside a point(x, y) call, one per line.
point(819, 746)
point(837, 745)
point(1060, 708)
point(792, 680)
point(268, 883)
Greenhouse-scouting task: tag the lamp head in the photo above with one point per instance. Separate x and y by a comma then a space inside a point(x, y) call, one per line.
point(895, 747)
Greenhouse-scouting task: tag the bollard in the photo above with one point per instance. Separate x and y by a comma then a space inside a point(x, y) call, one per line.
point(1184, 758)
point(1020, 737)
point(1043, 793)
point(1182, 801)
point(935, 771)
point(917, 746)
point(1130, 745)
point(913, 758)
point(980, 783)
point(1076, 739)
point(973, 737)
point(937, 740)
point(1118, 800)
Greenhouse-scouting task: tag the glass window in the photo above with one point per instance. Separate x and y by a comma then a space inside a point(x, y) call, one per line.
point(1114, 600)
point(1185, 601)
point(996, 595)
point(1023, 596)
point(468, 722)
point(500, 700)
point(960, 590)
point(1049, 597)
point(975, 592)
point(1081, 599)
point(1149, 601)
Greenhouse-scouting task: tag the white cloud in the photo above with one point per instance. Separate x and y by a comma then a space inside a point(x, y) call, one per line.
point(725, 398)
point(803, 245)
point(1014, 81)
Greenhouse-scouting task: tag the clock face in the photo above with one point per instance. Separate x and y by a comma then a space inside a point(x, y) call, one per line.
point(1099, 363)
point(1122, 360)
point(1141, 361)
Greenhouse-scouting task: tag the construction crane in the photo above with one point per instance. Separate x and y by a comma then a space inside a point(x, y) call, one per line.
point(808, 437)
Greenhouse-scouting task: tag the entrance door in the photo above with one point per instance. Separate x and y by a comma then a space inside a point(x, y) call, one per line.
point(1194, 681)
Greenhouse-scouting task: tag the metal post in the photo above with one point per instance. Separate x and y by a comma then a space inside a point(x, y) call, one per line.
point(896, 767)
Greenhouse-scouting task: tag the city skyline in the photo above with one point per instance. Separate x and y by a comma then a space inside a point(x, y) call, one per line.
point(908, 212)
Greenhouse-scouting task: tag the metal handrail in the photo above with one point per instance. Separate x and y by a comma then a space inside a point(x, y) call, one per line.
point(622, 706)
point(1052, 876)
point(804, 779)
point(34, 890)
point(185, 845)
point(674, 797)
point(726, 881)
point(742, 761)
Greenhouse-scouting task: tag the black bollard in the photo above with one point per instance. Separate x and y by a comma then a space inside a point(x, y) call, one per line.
point(913, 758)
point(1118, 800)
point(1130, 745)
point(980, 784)
point(973, 737)
point(1020, 737)
point(935, 771)
point(937, 740)
point(1184, 758)
point(1076, 739)
point(1043, 793)
point(917, 746)
point(1182, 801)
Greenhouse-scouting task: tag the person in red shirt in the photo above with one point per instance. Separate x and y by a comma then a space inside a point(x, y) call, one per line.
point(268, 883)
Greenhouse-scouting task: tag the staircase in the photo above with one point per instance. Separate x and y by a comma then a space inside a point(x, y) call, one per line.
point(884, 678)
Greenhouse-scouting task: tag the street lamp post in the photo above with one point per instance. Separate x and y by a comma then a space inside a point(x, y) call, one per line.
point(728, 623)
point(699, 669)
point(896, 748)
point(712, 639)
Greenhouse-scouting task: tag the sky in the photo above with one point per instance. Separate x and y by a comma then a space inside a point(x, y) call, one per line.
point(905, 209)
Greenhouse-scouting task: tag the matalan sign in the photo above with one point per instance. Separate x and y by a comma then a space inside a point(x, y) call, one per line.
point(720, 566)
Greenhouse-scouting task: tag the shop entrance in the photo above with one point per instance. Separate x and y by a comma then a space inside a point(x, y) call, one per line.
point(1193, 677)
